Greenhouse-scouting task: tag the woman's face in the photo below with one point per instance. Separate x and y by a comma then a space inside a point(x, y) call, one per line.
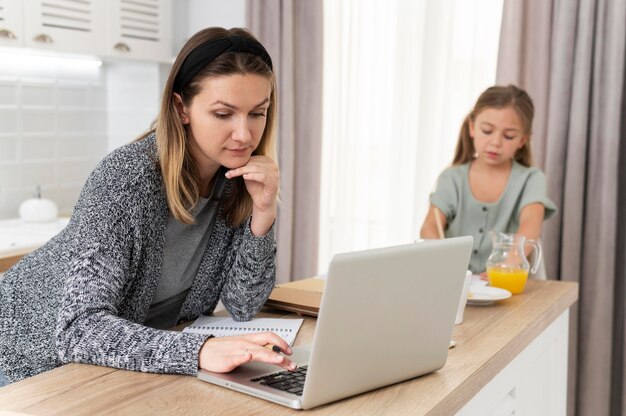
point(497, 134)
point(226, 120)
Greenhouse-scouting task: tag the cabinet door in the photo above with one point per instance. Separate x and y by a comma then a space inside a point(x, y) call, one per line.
point(11, 23)
point(140, 29)
point(75, 26)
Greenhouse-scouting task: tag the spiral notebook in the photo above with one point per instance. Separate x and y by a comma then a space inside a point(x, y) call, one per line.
point(287, 329)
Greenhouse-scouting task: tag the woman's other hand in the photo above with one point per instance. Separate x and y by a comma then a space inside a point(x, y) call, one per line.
point(262, 179)
point(224, 354)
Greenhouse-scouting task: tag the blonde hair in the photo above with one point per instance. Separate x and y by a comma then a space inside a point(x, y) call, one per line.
point(498, 97)
point(180, 175)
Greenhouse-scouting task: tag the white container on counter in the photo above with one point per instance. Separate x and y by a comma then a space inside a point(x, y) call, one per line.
point(38, 209)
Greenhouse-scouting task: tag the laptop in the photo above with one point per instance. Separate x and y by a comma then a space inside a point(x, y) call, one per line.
point(386, 316)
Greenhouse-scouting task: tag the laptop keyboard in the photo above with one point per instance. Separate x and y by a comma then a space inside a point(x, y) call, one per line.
point(289, 381)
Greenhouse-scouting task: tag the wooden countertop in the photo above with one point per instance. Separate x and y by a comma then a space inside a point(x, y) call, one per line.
point(488, 339)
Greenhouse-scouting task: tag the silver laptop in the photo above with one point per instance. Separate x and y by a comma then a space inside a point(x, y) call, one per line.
point(386, 316)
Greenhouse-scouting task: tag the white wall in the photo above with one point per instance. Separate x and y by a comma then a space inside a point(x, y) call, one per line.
point(133, 96)
point(57, 121)
point(207, 13)
point(52, 128)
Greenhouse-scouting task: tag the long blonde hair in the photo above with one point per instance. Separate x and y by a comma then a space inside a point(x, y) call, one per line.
point(498, 97)
point(180, 175)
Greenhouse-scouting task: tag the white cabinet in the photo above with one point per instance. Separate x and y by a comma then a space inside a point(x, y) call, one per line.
point(11, 23)
point(140, 29)
point(534, 382)
point(75, 26)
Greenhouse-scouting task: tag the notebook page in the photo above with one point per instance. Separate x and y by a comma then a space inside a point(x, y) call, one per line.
point(287, 329)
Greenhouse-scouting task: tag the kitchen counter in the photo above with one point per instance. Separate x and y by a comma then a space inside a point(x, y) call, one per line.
point(510, 358)
point(18, 238)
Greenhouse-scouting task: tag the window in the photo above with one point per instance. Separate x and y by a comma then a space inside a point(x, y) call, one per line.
point(399, 77)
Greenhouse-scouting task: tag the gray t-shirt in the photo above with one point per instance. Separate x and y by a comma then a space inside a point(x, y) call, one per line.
point(185, 245)
point(467, 216)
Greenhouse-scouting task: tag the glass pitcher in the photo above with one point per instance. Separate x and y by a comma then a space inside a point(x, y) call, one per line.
point(507, 266)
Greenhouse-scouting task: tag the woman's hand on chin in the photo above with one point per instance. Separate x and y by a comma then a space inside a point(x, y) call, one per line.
point(262, 179)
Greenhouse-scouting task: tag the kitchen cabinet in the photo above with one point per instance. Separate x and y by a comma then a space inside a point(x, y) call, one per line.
point(64, 25)
point(140, 29)
point(533, 383)
point(135, 29)
point(11, 23)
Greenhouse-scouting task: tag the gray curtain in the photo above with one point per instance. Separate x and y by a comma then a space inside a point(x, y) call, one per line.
point(570, 56)
point(292, 31)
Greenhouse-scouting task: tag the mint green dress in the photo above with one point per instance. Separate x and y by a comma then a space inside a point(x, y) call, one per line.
point(467, 216)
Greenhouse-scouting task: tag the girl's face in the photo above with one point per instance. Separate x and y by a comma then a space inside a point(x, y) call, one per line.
point(226, 120)
point(497, 134)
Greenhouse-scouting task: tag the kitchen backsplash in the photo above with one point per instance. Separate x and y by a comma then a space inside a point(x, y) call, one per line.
point(57, 120)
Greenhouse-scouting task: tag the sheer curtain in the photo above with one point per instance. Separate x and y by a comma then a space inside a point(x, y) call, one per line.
point(399, 77)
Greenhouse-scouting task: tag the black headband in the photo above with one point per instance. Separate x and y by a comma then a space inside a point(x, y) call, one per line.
point(207, 52)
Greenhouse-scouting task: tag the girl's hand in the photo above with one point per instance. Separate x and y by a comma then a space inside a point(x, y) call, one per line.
point(224, 354)
point(262, 178)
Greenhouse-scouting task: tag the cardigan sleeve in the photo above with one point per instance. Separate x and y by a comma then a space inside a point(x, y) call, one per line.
point(89, 328)
point(250, 279)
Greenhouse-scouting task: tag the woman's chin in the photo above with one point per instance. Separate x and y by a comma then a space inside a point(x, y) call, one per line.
point(234, 163)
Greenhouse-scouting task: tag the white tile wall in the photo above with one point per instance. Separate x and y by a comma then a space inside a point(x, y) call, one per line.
point(134, 95)
point(38, 95)
point(8, 145)
point(73, 97)
point(58, 120)
point(8, 120)
point(38, 148)
point(40, 105)
point(8, 93)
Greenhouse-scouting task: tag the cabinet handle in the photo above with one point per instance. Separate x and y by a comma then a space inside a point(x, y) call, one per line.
point(43, 38)
point(121, 47)
point(5, 33)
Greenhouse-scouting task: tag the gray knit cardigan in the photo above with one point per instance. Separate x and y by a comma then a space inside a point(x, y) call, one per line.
point(84, 295)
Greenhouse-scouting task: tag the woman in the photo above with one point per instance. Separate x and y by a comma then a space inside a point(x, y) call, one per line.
point(164, 228)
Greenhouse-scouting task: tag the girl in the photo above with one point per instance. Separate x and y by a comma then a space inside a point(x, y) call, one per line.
point(164, 228)
point(491, 184)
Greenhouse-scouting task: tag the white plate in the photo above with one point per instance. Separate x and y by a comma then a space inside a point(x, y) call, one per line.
point(486, 295)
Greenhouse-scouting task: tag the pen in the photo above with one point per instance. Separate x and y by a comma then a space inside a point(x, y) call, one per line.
point(274, 348)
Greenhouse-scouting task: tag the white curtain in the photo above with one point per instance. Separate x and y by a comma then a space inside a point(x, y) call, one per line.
point(399, 77)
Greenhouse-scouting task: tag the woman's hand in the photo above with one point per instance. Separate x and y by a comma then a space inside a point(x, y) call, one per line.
point(224, 354)
point(262, 179)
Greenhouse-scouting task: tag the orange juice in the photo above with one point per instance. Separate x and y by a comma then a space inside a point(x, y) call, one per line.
point(512, 280)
